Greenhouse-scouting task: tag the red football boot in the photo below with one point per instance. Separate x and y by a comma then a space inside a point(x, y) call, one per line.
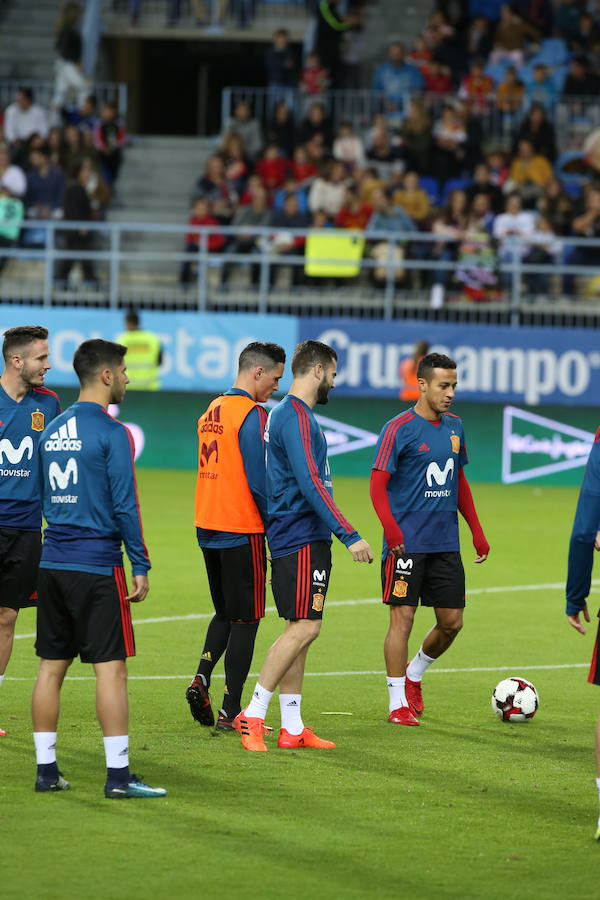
point(414, 696)
point(402, 716)
point(306, 738)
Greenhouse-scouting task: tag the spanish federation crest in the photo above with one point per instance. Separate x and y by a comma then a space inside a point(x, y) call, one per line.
point(400, 588)
point(455, 441)
point(37, 420)
point(318, 601)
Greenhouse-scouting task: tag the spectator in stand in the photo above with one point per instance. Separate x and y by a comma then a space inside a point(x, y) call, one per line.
point(353, 213)
point(588, 34)
point(437, 78)
point(85, 117)
point(544, 249)
point(476, 89)
point(413, 199)
point(483, 183)
point(272, 168)
point(391, 220)
point(539, 131)
point(290, 186)
point(285, 242)
point(580, 82)
point(69, 74)
point(530, 172)
point(214, 187)
point(510, 93)
point(201, 215)
point(498, 168)
point(331, 25)
point(96, 187)
point(369, 184)
point(255, 215)
point(381, 154)
point(328, 190)
point(245, 126)
point(510, 37)
point(254, 186)
point(45, 187)
point(476, 270)
point(56, 146)
point(420, 55)
point(12, 177)
point(109, 139)
point(281, 129)
point(587, 225)
point(237, 167)
point(11, 218)
point(303, 170)
point(314, 80)
point(280, 65)
point(23, 119)
point(479, 38)
point(512, 229)
point(316, 122)
point(542, 90)
point(451, 222)
point(566, 18)
point(73, 149)
point(348, 147)
point(557, 206)
point(480, 211)
point(77, 208)
point(315, 150)
point(449, 137)
point(397, 80)
point(416, 137)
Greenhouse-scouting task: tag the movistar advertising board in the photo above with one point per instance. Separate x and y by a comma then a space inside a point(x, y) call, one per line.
point(498, 364)
point(520, 366)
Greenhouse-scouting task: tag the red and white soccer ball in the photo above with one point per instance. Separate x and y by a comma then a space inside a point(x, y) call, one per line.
point(515, 700)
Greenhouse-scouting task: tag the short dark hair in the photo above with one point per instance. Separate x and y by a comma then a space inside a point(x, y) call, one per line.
point(310, 353)
point(132, 317)
point(27, 92)
point(259, 353)
point(92, 356)
point(434, 361)
point(22, 336)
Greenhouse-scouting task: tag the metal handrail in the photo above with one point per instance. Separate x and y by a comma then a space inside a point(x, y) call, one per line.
point(43, 90)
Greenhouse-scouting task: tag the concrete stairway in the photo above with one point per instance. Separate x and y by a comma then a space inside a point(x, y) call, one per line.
point(27, 39)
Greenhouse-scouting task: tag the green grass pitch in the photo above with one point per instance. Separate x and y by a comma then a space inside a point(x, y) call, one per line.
point(463, 806)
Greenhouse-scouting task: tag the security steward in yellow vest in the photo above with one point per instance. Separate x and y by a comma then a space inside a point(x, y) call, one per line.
point(144, 355)
point(230, 518)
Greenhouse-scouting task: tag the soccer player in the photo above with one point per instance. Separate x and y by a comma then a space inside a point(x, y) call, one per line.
point(26, 407)
point(302, 515)
point(90, 504)
point(231, 512)
point(417, 483)
point(585, 537)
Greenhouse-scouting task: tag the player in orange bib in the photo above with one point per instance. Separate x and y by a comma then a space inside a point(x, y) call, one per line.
point(231, 512)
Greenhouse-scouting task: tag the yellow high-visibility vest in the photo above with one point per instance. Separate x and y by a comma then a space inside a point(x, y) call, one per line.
point(143, 353)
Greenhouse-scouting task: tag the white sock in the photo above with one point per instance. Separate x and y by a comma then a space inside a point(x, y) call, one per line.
point(1, 678)
point(291, 717)
point(418, 665)
point(116, 750)
point(396, 688)
point(258, 706)
point(45, 747)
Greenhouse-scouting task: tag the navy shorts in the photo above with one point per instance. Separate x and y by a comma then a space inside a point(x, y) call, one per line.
point(20, 553)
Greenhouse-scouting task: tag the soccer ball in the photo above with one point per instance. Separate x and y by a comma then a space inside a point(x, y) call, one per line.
point(515, 700)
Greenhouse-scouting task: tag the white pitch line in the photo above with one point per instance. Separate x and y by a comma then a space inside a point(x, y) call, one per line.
point(358, 673)
point(501, 589)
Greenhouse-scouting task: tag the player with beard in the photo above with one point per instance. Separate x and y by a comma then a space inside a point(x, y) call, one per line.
point(90, 504)
point(302, 516)
point(26, 407)
point(417, 485)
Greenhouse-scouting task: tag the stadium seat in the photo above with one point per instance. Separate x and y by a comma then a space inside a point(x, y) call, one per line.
point(455, 184)
point(431, 187)
point(553, 52)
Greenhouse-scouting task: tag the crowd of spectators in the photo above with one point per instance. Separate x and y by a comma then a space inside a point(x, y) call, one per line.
point(64, 171)
point(425, 163)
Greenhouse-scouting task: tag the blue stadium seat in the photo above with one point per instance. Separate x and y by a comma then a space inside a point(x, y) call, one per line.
point(498, 70)
point(455, 184)
point(431, 188)
point(553, 52)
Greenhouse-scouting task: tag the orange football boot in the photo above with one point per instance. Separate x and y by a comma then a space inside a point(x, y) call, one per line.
point(403, 716)
point(3, 733)
point(251, 731)
point(306, 738)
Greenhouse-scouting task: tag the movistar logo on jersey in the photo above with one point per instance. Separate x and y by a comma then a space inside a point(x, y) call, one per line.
point(65, 438)
point(440, 476)
point(16, 454)
point(60, 478)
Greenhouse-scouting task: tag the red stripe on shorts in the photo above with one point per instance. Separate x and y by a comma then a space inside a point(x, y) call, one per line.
point(256, 543)
point(126, 625)
point(389, 577)
point(593, 666)
point(307, 580)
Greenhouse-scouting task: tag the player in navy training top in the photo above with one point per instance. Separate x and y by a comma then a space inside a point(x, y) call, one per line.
point(231, 499)
point(417, 485)
point(26, 407)
point(90, 504)
point(585, 537)
point(302, 515)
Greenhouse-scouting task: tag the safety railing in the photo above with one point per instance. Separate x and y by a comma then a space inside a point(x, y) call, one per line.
point(407, 269)
point(114, 91)
point(573, 117)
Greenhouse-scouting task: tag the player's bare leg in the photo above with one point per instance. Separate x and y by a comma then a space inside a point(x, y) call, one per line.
point(45, 707)
point(448, 623)
point(8, 618)
point(395, 649)
point(598, 771)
